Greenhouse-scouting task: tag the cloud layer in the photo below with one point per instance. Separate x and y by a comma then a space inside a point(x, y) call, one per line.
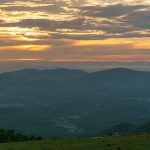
point(75, 30)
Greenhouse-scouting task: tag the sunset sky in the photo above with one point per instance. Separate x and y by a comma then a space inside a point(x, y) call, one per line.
point(75, 30)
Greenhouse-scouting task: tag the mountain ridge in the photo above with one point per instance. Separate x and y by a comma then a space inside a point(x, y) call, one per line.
point(73, 102)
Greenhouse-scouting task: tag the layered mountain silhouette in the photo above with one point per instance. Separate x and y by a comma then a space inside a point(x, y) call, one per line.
point(64, 102)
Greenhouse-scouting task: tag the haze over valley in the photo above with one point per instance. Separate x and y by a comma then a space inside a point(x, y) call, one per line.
point(65, 102)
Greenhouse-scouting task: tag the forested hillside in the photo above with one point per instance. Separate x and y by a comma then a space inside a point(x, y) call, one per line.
point(72, 103)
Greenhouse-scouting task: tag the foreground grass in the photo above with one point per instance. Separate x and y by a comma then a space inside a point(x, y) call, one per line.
point(107, 143)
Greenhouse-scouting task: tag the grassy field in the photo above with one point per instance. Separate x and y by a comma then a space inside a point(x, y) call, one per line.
point(108, 143)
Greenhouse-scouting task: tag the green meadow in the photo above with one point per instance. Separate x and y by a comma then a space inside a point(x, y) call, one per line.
point(141, 142)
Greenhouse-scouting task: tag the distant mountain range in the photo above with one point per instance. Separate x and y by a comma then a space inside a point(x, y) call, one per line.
point(64, 102)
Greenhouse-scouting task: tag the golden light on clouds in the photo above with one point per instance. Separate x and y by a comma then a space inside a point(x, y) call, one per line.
point(112, 42)
point(75, 30)
point(32, 47)
point(143, 43)
point(26, 48)
point(138, 43)
point(23, 59)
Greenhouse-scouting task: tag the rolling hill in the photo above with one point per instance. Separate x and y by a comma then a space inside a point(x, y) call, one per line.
point(69, 103)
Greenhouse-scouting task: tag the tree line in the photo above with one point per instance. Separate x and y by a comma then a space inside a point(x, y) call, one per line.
point(12, 136)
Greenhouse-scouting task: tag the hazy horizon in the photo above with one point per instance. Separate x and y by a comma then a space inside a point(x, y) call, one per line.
point(86, 66)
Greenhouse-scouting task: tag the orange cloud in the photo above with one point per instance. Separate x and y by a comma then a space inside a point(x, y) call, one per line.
point(136, 42)
point(32, 48)
point(23, 59)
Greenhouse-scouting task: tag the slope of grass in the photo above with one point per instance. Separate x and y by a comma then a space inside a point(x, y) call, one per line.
point(107, 143)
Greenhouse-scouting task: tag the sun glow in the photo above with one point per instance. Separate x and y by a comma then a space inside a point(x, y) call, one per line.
point(23, 59)
point(140, 43)
point(32, 48)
